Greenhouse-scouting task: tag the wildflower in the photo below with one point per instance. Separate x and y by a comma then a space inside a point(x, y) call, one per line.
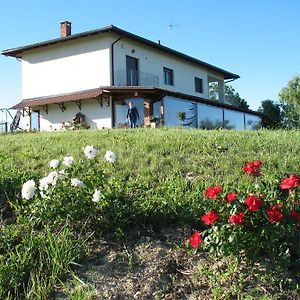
point(52, 178)
point(237, 219)
point(195, 240)
point(62, 174)
point(43, 187)
point(230, 196)
point(54, 163)
point(44, 184)
point(90, 152)
point(252, 168)
point(28, 189)
point(295, 215)
point(96, 196)
point(77, 183)
point(253, 203)
point(110, 156)
point(290, 182)
point(68, 160)
point(213, 192)
point(210, 217)
point(274, 213)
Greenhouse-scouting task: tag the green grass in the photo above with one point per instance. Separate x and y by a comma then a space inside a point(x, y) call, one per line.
point(159, 179)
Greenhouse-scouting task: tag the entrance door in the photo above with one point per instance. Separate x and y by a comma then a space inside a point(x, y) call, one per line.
point(132, 78)
point(35, 120)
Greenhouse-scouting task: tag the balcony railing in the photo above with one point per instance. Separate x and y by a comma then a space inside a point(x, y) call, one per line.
point(135, 78)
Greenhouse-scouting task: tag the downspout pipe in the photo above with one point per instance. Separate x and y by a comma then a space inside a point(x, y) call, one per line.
point(112, 61)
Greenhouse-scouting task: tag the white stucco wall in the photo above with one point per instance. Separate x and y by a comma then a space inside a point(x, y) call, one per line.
point(66, 67)
point(85, 63)
point(96, 116)
point(152, 61)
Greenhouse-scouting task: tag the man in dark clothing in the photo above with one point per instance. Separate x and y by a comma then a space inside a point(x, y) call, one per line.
point(132, 116)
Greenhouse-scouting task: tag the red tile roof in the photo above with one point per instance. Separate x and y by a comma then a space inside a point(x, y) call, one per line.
point(62, 98)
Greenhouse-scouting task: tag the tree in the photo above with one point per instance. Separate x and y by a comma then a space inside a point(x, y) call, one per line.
point(272, 114)
point(289, 96)
point(231, 96)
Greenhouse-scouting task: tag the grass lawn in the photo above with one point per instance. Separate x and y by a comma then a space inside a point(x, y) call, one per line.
point(131, 245)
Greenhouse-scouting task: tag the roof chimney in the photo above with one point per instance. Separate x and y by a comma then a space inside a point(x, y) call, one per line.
point(65, 28)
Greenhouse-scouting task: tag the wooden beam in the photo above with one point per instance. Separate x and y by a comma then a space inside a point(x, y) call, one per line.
point(62, 107)
point(78, 103)
point(99, 99)
point(27, 110)
point(45, 107)
point(107, 100)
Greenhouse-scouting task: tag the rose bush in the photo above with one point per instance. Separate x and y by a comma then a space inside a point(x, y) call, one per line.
point(254, 224)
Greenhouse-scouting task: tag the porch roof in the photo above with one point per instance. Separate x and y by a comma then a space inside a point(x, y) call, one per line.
point(117, 92)
point(121, 93)
point(61, 98)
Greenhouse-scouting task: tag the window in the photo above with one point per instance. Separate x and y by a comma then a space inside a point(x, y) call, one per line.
point(168, 76)
point(198, 85)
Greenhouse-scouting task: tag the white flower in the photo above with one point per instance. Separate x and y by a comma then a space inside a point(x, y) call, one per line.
point(52, 177)
point(90, 152)
point(54, 163)
point(68, 160)
point(44, 184)
point(76, 182)
point(28, 189)
point(96, 196)
point(110, 156)
point(62, 174)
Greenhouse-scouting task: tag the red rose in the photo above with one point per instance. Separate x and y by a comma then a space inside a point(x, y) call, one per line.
point(213, 192)
point(252, 168)
point(237, 219)
point(253, 203)
point(210, 217)
point(230, 196)
point(290, 182)
point(295, 215)
point(274, 213)
point(195, 240)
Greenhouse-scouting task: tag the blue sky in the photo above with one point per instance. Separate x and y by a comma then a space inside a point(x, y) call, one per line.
point(257, 39)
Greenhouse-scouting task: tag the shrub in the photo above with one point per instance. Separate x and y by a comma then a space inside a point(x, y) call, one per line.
point(255, 224)
point(73, 191)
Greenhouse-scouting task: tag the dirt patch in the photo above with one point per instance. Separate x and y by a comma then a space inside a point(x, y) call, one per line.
point(152, 266)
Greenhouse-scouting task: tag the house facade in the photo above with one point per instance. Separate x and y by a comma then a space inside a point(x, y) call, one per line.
point(96, 74)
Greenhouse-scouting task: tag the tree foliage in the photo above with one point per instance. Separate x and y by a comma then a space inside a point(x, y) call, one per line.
point(231, 96)
point(273, 115)
point(289, 96)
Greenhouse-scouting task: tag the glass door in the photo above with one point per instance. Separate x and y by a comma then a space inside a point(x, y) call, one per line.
point(132, 78)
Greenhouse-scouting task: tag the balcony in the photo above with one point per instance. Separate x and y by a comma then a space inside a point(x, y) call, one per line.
point(135, 78)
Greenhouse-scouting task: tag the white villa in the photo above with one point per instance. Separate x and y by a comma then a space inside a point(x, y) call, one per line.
point(96, 73)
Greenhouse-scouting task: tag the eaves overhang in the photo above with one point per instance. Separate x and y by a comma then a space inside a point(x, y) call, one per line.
point(19, 51)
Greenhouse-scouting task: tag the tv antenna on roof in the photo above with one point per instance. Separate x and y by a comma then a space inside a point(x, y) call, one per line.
point(171, 26)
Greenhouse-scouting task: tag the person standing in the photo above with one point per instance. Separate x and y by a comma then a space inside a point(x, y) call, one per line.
point(132, 115)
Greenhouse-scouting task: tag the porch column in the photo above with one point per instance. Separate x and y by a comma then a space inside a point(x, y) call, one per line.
point(162, 112)
point(147, 111)
point(221, 91)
